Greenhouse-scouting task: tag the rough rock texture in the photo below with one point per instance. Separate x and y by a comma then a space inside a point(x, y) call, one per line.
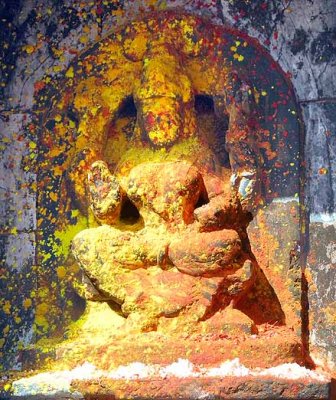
point(302, 40)
point(154, 137)
point(17, 236)
point(321, 273)
point(229, 388)
point(153, 259)
point(42, 37)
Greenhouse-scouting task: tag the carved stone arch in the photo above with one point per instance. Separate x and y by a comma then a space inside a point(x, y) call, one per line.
point(263, 141)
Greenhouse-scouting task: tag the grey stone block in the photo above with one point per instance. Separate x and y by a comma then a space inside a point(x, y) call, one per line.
point(321, 273)
point(18, 181)
point(320, 153)
point(299, 38)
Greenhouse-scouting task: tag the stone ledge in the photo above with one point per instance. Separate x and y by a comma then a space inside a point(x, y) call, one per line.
point(228, 388)
point(242, 388)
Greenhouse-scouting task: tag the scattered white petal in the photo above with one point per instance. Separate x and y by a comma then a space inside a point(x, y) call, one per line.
point(290, 371)
point(60, 381)
point(229, 368)
point(181, 369)
point(134, 370)
point(53, 382)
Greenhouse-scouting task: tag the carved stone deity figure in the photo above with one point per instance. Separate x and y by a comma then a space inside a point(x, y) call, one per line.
point(174, 203)
point(174, 146)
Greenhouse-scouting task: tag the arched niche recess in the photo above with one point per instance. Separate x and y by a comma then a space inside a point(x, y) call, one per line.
point(182, 94)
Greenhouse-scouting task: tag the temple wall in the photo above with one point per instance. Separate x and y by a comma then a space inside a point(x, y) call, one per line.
point(42, 37)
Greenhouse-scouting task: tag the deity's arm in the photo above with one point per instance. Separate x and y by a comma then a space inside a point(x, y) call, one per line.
point(77, 176)
point(104, 192)
point(223, 211)
point(242, 142)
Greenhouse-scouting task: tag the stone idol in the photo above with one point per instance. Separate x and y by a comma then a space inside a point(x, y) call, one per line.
point(171, 149)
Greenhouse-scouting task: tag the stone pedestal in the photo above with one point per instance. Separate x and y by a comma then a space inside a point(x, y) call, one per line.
point(242, 388)
point(227, 388)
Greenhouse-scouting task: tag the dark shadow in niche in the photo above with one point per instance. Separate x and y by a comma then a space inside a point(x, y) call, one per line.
point(332, 389)
point(305, 322)
point(205, 114)
point(203, 199)
point(129, 213)
point(127, 116)
point(127, 108)
point(204, 104)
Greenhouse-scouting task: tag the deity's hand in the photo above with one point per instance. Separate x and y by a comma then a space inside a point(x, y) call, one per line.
point(105, 193)
point(203, 253)
point(246, 183)
point(77, 177)
point(223, 211)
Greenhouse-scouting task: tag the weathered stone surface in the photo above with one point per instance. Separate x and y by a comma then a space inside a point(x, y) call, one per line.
point(17, 283)
point(188, 388)
point(320, 158)
point(47, 36)
point(105, 193)
point(192, 209)
point(248, 387)
point(204, 253)
point(322, 292)
point(18, 182)
point(17, 239)
point(321, 201)
point(299, 38)
point(275, 241)
point(41, 38)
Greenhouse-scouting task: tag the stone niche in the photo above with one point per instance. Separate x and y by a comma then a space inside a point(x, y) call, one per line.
point(170, 223)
